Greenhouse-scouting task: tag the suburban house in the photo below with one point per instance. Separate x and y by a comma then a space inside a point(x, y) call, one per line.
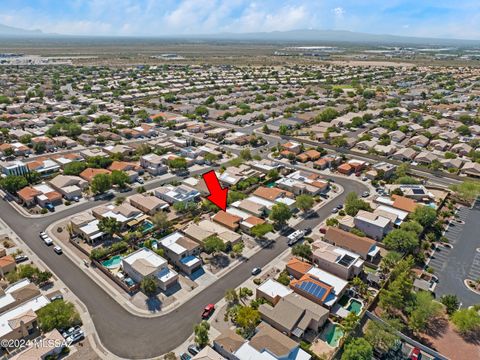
point(144, 262)
point(206, 228)
point(333, 259)
point(89, 173)
point(153, 164)
point(85, 225)
point(293, 315)
point(365, 247)
point(41, 194)
point(125, 214)
point(231, 222)
point(148, 204)
point(398, 202)
point(373, 224)
point(180, 193)
point(272, 291)
point(267, 344)
point(182, 252)
point(69, 186)
point(7, 265)
point(302, 182)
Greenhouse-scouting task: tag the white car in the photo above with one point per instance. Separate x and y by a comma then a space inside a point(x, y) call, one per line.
point(48, 241)
point(43, 235)
point(58, 250)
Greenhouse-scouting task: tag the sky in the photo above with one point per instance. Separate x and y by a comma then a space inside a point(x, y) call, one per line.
point(423, 18)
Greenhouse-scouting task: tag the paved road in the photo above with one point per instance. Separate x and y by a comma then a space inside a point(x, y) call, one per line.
point(127, 335)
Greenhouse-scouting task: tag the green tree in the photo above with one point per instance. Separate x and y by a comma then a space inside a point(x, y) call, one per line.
point(160, 220)
point(412, 226)
point(211, 157)
point(332, 222)
point(467, 190)
point(284, 278)
point(273, 174)
point(353, 204)
point(201, 333)
point(148, 285)
point(13, 183)
point(201, 111)
point(247, 320)
point(119, 178)
point(304, 202)
point(382, 336)
point(245, 154)
point(389, 261)
point(302, 250)
point(74, 168)
point(424, 215)
point(109, 225)
point(260, 230)
point(99, 162)
point(101, 183)
point(185, 206)
point(357, 349)
point(401, 240)
point(58, 315)
point(178, 163)
point(466, 320)
point(350, 322)
point(39, 147)
point(450, 302)
point(213, 244)
point(280, 214)
point(283, 129)
point(425, 310)
point(231, 296)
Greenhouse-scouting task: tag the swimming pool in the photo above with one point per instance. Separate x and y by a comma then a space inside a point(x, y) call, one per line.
point(113, 262)
point(146, 226)
point(332, 334)
point(355, 306)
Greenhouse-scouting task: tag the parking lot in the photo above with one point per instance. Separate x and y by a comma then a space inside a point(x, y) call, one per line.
point(453, 264)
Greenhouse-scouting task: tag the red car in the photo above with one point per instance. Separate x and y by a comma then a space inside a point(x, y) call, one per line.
point(415, 354)
point(208, 311)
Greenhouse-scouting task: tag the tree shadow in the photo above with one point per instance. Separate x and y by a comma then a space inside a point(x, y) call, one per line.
point(437, 327)
point(220, 261)
point(154, 304)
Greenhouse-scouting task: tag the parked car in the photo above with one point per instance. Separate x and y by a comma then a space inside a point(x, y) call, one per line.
point(339, 207)
point(415, 354)
point(193, 349)
point(140, 181)
point(76, 199)
point(334, 210)
point(56, 297)
point(43, 235)
point(48, 241)
point(208, 311)
point(256, 271)
point(365, 194)
point(58, 250)
point(185, 356)
point(323, 230)
point(50, 207)
point(21, 258)
point(307, 231)
point(75, 337)
point(71, 330)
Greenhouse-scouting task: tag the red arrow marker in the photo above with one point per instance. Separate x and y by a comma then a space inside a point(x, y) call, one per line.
point(218, 196)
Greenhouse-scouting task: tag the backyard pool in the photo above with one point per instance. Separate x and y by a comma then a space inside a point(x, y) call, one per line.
point(355, 306)
point(332, 334)
point(113, 262)
point(146, 226)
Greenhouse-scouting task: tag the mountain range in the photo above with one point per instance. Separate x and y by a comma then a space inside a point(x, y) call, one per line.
point(304, 36)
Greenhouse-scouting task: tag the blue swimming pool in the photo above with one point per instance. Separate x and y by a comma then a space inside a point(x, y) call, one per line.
point(113, 262)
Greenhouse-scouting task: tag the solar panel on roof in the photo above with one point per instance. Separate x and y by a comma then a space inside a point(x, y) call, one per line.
point(312, 289)
point(418, 191)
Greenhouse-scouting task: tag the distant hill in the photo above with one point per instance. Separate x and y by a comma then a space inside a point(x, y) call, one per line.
point(13, 31)
point(336, 36)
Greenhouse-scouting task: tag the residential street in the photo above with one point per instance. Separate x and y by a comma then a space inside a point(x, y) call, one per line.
point(121, 332)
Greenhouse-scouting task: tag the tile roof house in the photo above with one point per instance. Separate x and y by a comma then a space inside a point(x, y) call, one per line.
point(404, 154)
point(7, 265)
point(294, 315)
point(228, 220)
point(149, 204)
point(89, 173)
point(471, 169)
point(363, 246)
point(267, 344)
